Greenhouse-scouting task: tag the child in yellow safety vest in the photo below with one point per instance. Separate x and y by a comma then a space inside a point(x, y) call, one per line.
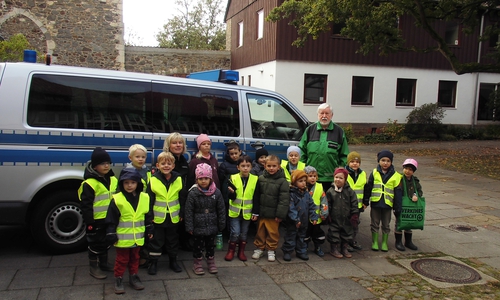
point(293, 163)
point(357, 182)
point(244, 194)
point(314, 232)
point(129, 220)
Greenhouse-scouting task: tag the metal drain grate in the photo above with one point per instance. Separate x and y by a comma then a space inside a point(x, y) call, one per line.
point(463, 228)
point(445, 271)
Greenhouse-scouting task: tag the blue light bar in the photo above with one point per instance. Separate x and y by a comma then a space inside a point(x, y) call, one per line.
point(219, 75)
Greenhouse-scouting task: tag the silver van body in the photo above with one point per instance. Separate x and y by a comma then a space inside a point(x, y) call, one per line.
point(52, 117)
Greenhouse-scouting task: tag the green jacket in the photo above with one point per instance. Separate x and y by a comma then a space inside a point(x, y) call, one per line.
point(325, 150)
point(275, 195)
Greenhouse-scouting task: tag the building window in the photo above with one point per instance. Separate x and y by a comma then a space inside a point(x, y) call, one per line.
point(486, 95)
point(362, 90)
point(260, 24)
point(315, 88)
point(242, 80)
point(249, 80)
point(451, 34)
point(240, 34)
point(337, 27)
point(447, 93)
point(405, 93)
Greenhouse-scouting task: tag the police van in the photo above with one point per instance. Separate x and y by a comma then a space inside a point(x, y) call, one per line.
point(52, 117)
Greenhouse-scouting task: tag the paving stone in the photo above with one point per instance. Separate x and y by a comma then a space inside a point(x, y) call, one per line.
point(87, 292)
point(339, 289)
point(338, 268)
point(251, 275)
point(492, 261)
point(71, 260)
point(201, 288)
point(82, 277)
point(23, 261)
point(378, 266)
point(260, 292)
point(152, 290)
point(6, 277)
point(20, 294)
point(298, 291)
point(47, 277)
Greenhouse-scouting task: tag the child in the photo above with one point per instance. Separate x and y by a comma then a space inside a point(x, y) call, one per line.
point(259, 162)
point(409, 167)
point(314, 232)
point(203, 156)
point(95, 194)
point(343, 205)
point(381, 191)
point(243, 207)
point(166, 193)
point(205, 217)
point(357, 181)
point(273, 207)
point(302, 209)
point(129, 220)
point(293, 163)
point(227, 168)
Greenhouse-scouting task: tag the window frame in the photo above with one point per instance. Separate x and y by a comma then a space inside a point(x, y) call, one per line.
point(240, 33)
point(324, 89)
point(441, 90)
point(355, 93)
point(399, 91)
point(260, 24)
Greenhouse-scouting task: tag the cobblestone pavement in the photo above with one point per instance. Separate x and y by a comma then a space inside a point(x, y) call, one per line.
point(453, 200)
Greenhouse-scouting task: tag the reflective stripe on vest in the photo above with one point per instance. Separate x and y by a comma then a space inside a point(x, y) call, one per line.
point(102, 196)
point(131, 227)
point(358, 187)
point(300, 166)
point(244, 197)
point(166, 201)
point(316, 196)
point(387, 189)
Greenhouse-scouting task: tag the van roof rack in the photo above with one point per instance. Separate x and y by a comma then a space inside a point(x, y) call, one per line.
point(218, 75)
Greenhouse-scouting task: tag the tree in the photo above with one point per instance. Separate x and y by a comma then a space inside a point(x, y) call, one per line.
point(197, 27)
point(373, 24)
point(13, 49)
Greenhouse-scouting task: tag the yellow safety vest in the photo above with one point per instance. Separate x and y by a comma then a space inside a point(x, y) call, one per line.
point(300, 166)
point(144, 183)
point(131, 227)
point(384, 189)
point(102, 196)
point(244, 198)
point(358, 187)
point(166, 201)
point(316, 196)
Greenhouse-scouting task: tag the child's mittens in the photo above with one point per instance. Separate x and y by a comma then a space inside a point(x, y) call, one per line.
point(111, 238)
point(354, 220)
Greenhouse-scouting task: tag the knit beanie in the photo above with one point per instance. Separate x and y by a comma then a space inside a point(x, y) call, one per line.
point(341, 170)
point(296, 175)
point(310, 169)
point(202, 138)
point(260, 152)
point(353, 156)
point(385, 153)
point(99, 156)
point(293, 149)
point(203, 171)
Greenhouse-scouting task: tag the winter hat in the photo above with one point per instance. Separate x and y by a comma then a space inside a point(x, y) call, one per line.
point(261, 152)
point(309, 169)
point(385, 153)
point(353, 156)
point(296, 175)
point(341, 170)
point(293, 149)
point(130, 174)
point(202, 138)
point(99, 156)
point(203, 171)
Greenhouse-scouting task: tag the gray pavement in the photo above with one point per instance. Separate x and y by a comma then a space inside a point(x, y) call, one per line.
point(452, 199)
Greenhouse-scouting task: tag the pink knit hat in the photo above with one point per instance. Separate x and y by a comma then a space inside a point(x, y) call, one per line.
point(203, 171)
point(202, 138)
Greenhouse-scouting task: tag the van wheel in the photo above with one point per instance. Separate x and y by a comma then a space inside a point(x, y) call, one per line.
point(58, 225)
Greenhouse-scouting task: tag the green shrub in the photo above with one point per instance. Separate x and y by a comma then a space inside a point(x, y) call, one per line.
point(393, 130)
point(13, 48)
point(349, 133)
point(424, 121)
point(447, 137)
point(492, 131)
point(376, 138)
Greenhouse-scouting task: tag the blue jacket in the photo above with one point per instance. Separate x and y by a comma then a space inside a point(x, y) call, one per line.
point(302, 207)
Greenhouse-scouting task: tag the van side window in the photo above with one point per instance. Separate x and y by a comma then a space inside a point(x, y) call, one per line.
point(61, 101)
point(195, 110)
point(272, 119)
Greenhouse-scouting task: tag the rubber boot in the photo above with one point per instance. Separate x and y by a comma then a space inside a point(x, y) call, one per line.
point(212, 268)
point(318, 251)
point(345, 250)
point(399, 244)
point(197, 266)
point(95, 271)
point(241, 251)
point(384, 247)
point(135, 282)
point(335, 250)
point(119, 289)
point(153, 267)
point(103, 263)
point(408, 242)
point(174, 266)
point(375, 241)
point(230, 251)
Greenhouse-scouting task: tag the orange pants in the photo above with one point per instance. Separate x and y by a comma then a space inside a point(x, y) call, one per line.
point(267, 235)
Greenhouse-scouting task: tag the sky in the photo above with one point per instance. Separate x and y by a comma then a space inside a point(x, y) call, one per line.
point(144, 18)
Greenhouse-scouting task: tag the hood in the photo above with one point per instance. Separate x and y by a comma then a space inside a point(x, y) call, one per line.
point(130, 174)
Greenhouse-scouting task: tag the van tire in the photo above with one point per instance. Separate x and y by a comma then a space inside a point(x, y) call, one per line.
point(58, 225)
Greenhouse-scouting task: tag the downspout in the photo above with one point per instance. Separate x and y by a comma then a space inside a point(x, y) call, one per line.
point(476, 96)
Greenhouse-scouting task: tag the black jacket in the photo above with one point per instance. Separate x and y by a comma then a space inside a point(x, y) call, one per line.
point(204, 215)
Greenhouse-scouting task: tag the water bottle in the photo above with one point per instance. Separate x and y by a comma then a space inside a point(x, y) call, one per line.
point(218, 241)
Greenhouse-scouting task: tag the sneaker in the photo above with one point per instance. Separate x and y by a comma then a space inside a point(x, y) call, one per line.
point(257, 253)
point(287, 256)
point(319, 252)
point(271, 256)
point(356, 246)
point(135, 282)
point(119, 289)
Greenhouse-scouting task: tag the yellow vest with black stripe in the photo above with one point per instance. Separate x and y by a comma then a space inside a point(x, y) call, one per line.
point(358, 187)
point(384, 189)
point(102, 196)
point(244, 196)
point(300, 166)
point(316, 196)
point(166, 201)
point(131, 227)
